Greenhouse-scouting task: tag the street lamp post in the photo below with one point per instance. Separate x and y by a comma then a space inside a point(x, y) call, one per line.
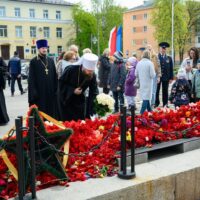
point(173, 30)
point(98, 46)
point(93, 40)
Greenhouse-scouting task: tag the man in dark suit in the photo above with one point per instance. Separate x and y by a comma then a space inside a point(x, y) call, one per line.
point(166, 64)
point(14, 67)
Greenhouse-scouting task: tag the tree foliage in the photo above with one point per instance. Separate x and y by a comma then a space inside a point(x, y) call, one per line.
point(105, 14)
point(185, 19)
point(86, 25)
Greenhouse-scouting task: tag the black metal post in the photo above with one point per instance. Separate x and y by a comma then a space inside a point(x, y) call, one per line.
point(22, 164)
point(133, 140)
point(31, 134)
point(20, 158)
point(123, 173)
point(123, 140)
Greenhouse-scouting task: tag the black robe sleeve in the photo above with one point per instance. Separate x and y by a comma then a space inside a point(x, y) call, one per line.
point(93, 92)
point(2, 80)
point(65, 90)
point(32, 90)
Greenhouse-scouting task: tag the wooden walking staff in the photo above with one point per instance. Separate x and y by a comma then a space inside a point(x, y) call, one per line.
point(124, 173)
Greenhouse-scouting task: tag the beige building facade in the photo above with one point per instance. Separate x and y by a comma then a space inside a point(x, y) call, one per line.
point(23, 22)
point(138, 31)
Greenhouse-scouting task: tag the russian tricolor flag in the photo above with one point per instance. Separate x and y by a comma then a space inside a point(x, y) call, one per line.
point(115, 41)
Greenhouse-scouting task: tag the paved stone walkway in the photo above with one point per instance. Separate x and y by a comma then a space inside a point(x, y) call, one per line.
point(18, 105)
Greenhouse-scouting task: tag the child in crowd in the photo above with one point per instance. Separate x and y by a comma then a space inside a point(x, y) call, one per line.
point(116, 80)
point(196, 83)
point(181, 90)
point(130, 89)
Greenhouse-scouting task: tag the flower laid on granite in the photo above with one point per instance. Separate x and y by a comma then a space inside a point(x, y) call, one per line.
point(104, 104)
point(96, 158)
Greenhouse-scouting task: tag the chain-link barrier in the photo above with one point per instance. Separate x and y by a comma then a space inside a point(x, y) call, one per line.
point(4, 143)
point(62, 153)
point(169, 132)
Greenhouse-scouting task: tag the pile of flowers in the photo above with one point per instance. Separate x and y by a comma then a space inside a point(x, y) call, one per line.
point(104, 103)
point(95, 144)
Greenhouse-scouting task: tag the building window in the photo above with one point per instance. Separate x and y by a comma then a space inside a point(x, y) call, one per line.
point(134, 29)
point(145, 15)
point(144, 42)
point(33, 50)
point(59, 32)
point(190, 40)
point(46, 32)
point(3, 31)
point(198, 25)
point(134, 17)
point(198, 39)
point(58, 15)
point(45, 14)
point(33, 31)
point(32, 13)
point(2, 11)
point(59, 49)
point(17, 12)
point(134, 53)
point(145, 28)
point(133, 42)
point(18, 31)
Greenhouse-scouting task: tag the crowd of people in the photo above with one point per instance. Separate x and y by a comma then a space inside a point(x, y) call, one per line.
point(67, 90)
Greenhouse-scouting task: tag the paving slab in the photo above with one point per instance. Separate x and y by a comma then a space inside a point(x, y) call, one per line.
point(173, 178)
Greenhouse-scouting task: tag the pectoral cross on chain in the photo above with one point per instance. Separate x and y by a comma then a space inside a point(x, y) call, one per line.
point(46, 70)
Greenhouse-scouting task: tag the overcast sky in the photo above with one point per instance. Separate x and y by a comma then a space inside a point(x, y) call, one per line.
point(125, 3)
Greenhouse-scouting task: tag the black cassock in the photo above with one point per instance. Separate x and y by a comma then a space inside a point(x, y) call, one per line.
point(3, 111)
point(72, 106)
point(42, 86)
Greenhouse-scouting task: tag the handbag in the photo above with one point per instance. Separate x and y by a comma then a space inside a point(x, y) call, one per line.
point(136, 83)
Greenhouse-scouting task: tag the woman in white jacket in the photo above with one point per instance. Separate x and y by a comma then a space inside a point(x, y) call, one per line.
point(190, 62)
point(190, 65)
point(145, 72)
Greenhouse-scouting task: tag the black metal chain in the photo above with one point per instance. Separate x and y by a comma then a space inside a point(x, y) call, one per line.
point(4, 143)
point(172, 132)
point(110, 132)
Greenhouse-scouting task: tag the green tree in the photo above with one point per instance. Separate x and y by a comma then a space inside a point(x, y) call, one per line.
point(185, 18)
point(108, 15)
point(105, 14)
point(85, 24)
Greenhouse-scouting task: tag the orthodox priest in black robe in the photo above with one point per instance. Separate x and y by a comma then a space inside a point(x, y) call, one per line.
point(42, 81)
point(72, 86)
point(3, 111)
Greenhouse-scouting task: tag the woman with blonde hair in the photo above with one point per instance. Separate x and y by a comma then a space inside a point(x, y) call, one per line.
point(87, 50)
point(145, 72)
point(154, 59)
point(68, 59)
point(75, 49)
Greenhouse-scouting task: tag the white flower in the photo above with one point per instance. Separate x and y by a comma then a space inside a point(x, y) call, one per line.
point(105, 100)
point(48, 123)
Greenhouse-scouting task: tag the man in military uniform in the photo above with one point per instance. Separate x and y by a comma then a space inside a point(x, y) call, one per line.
point(166, 64)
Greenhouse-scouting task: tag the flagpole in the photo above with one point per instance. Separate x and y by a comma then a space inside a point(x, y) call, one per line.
point(173, 31)
point(98, 46)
